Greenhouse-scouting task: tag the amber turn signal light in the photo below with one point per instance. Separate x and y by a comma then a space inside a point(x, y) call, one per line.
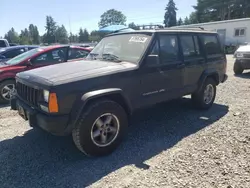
point(53, 105)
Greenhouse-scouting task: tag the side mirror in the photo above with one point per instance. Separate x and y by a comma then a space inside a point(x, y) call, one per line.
point(152, 60)
point(2, 57)
point(29, 63)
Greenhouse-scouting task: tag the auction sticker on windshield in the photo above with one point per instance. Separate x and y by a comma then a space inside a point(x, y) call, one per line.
point(138, 39)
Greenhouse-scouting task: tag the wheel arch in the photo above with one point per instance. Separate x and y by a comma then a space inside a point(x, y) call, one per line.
point(115, 94)
point(208, 74)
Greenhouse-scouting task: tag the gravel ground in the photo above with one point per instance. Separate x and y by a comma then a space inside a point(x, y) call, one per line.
point(170, 145)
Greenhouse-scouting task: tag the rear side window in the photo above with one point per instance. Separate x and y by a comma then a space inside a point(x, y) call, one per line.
point(190, 46)
point(13, 53)
point(211, 44)
point(75, 53)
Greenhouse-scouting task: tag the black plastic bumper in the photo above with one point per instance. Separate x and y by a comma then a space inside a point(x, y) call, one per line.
point(244, 63)
point(54, 124)
point(224, 78)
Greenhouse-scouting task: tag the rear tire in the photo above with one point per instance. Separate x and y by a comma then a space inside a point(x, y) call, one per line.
point(92, 128)
point(204, 99)
point(238, 68)
point(5, 87)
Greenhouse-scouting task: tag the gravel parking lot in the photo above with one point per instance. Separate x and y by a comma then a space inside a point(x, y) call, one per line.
point(170, 145)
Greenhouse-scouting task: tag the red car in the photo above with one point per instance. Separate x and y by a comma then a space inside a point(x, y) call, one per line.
point(35, 58)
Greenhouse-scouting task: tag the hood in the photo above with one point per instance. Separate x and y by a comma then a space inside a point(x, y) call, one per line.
point(244, 48)
point(73, 71)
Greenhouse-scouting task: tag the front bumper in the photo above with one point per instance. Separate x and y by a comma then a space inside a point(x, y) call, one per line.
point(224, 79)
point(54, 124)
point(244, 63)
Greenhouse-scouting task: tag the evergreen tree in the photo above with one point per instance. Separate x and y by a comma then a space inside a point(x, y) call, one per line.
point(180, 22)
point(170, 14)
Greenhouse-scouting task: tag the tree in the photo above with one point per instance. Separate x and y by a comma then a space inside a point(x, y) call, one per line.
point(50, 30)
point(180, 22)
point(83, 35)
point(95, 36)
point(12, 36)
point(34, 34)
point(73, 38)
point(24, 37)
point(214, 10)
point(133, 26)
point(193, 18)
point(112, 17)
point(170, 15)
point(61, 35)
point(186, 21)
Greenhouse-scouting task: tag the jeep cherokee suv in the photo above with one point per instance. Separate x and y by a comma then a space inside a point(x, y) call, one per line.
point(124, 72)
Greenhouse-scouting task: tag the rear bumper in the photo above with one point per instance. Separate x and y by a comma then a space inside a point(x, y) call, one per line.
point(54, 124)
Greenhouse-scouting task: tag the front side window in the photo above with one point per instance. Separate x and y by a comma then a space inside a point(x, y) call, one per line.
point(211, 44)
point(52, 56)
point(122, 47)
point(169, 48)
point(75, 53)
point(240, 32)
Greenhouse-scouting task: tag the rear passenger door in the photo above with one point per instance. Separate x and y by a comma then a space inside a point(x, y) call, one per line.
point(194, 61)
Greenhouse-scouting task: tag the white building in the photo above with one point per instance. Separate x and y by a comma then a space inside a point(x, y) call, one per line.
point(234, 32)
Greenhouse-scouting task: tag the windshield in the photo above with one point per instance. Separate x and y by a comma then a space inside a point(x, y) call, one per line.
point(123, 47)
point(23, 56)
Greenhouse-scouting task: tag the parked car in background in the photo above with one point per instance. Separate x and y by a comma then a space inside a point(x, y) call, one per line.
point(32, 59)
point(4, 43)
point(13, 51)
point(242, 59)
point(13, 44)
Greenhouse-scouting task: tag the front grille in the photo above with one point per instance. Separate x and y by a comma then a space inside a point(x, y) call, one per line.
point(247, 55)
point(29, 94)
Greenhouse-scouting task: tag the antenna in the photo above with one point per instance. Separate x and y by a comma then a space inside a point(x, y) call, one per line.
point(69, 29)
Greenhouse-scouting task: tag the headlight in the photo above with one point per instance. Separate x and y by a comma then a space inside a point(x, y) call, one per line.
point(240, 55)
point(46, 95)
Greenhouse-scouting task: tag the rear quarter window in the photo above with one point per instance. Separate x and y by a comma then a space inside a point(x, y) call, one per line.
point(211, 45)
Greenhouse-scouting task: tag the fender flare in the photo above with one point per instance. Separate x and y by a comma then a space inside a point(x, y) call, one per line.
point(85, 98)
point(208, 73)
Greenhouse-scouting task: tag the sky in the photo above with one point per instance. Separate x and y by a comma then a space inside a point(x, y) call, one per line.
point(74, 14)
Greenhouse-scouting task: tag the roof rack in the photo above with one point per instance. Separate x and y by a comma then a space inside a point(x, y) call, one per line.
point(181, 28)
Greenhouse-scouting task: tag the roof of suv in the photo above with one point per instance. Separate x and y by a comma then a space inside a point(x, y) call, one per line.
point(168, 30)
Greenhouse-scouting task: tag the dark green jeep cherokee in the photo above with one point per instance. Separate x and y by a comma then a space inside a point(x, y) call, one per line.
point(93, 99)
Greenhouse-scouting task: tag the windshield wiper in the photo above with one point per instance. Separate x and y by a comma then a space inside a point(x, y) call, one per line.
point(111, 57)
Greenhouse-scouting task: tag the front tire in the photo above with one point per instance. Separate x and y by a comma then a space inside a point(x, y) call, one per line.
point(204, 99)
point(5, 91)
point(100, 128)
point(238, 68)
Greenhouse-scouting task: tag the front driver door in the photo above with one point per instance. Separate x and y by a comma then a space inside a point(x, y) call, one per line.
point(50, 57)
point(163, 81)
